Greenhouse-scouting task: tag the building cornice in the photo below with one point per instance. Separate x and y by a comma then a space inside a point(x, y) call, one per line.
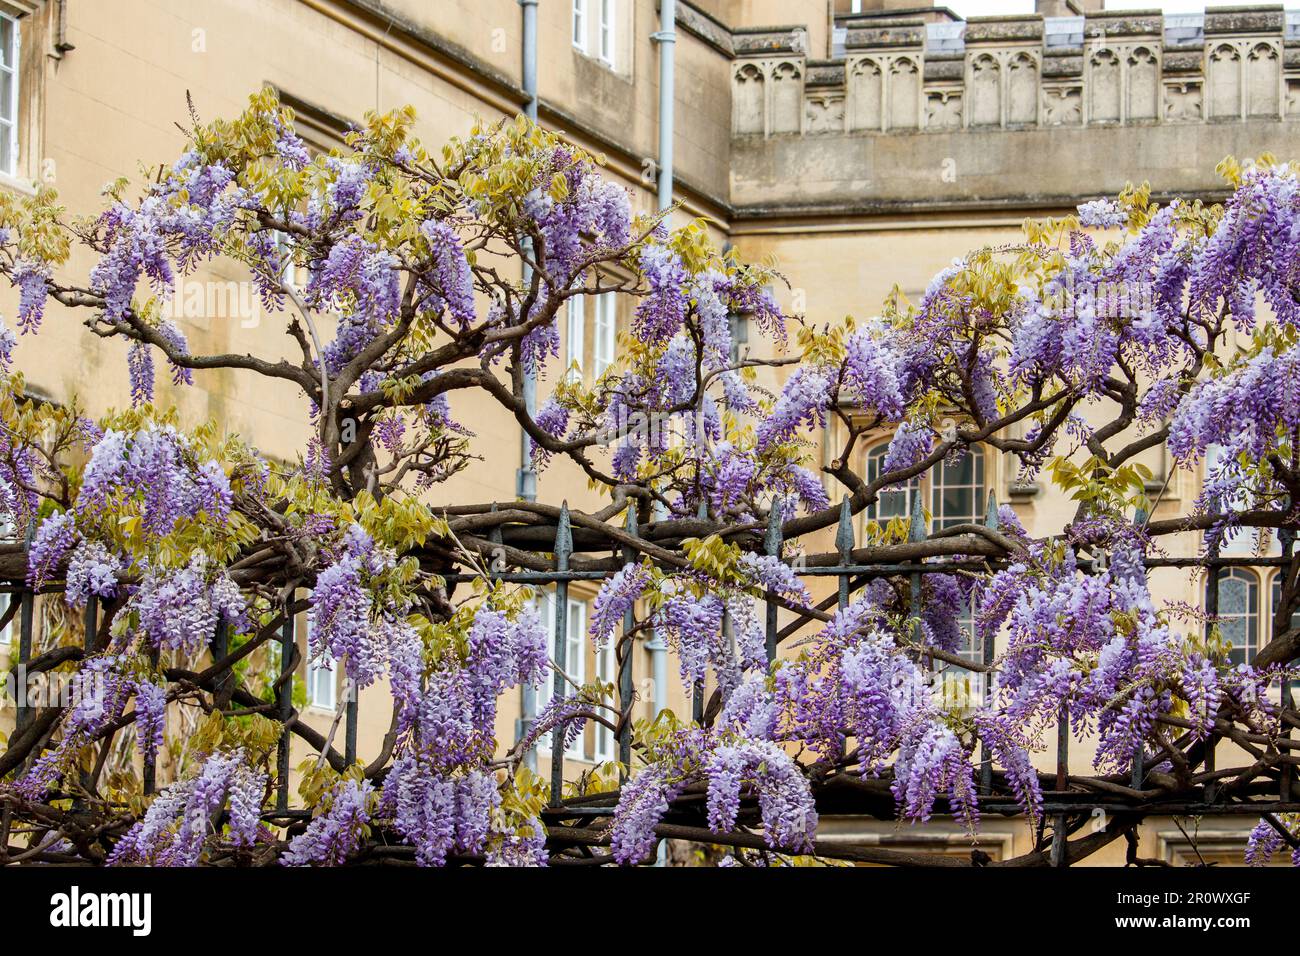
point(499, 92)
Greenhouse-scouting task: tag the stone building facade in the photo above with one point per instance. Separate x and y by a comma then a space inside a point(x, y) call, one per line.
point(860, 149)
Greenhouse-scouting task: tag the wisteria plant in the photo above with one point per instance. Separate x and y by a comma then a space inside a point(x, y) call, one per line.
point(410, 284)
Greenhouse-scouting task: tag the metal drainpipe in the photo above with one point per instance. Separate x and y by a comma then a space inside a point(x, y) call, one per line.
point(526, 484)
point(667, 40)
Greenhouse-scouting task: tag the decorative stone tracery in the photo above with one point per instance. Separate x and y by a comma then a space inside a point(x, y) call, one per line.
point(1124, 74)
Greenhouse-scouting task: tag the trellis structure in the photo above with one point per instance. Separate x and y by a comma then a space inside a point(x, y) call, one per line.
point(448, 277)
point(1071, 800)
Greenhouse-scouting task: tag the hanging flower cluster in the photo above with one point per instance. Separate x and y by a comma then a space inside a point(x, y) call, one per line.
point(379, 257)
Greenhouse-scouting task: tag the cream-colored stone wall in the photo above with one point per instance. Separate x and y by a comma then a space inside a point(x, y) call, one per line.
point(873, 167)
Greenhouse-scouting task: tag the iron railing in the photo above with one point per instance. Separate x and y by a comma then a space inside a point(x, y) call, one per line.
point(1067, 808)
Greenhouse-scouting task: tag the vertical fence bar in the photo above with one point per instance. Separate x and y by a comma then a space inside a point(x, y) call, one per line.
point(284, 705)
point(563, 549)
point(844, 544)
point(772, 547)
point(625, 662)
point(991, 521)
point(26, 620)
point(1285, 703)
point(1211, 612)
point(350, 717)
point(916, 533)
point(1139, 771)
point(697, 688)
point(220, 648)
point(1286, 538)
point(527, 691)
point(1062, 781)
point(90, 624)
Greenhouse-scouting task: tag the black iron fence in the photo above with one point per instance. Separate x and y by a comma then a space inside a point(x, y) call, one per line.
point(1069, 808)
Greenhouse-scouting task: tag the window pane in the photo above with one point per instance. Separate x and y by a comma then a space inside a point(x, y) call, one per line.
point(606, 332)
point(576, 659)
point(1238, 617)
point(573, 651)
point(895, 503)
point(580, 24)
point(574, 345)
point(605, 673)
point(961, 472)
point(607, 31)
point(8, 34)
point(957, 504)
point(958, 491)
point(574, 664)
point(7, 157)
point(545, 604)
point(7, 81)
point(320, 686)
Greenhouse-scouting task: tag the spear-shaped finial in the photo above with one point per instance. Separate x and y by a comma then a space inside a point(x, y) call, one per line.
point(917, 530)
point(563, 539)
point(844, 533)
point(772, 540)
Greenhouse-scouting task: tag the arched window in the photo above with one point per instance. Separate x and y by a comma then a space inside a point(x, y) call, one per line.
point(1238, 612)
point(957, 491)
point(894, 503)
point(956, 495)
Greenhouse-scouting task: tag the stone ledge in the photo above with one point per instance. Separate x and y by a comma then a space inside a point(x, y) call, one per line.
point(1262, 19)
point(905, 33)
point(1001, 29)
point(912, 173)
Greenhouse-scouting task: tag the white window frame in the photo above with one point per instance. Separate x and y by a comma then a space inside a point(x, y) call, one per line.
point(607, 673)
point(605, 333)
point(7, 632)
point(315, 675)
point(575, 343)
point(14, 56)
point(318, 678)
point(608, 36)
point(978, 488)
point(1238, 542)
point(575, 662)
point(289, 270)
point(578, 27)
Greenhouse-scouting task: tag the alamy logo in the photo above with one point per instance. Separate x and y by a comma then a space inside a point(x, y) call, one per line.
point(77, 909)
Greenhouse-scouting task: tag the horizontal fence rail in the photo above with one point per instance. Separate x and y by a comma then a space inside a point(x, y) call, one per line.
point(1063, 805)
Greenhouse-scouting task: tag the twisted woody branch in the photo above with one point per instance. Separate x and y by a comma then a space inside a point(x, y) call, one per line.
point(434, 282)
